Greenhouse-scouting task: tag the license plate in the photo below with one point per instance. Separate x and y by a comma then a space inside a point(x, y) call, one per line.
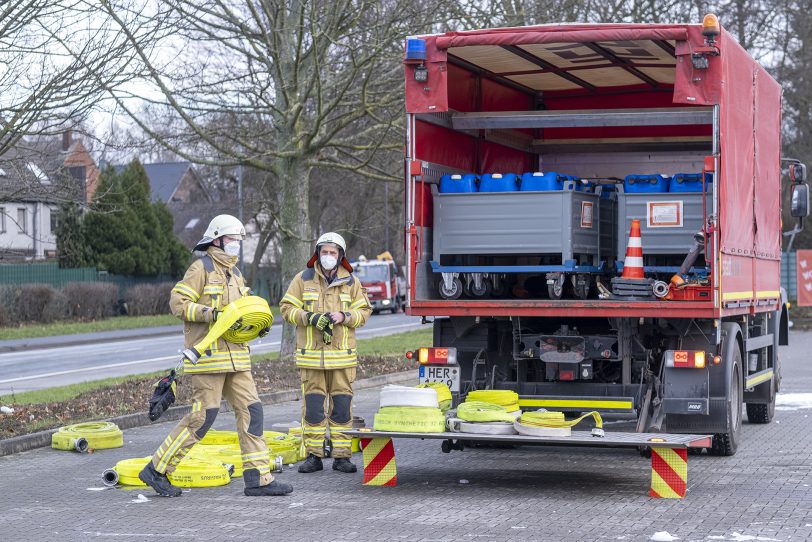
point(447, 374)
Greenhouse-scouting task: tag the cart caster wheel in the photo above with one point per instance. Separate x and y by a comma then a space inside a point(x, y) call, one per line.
point(446, 446)
point(645, 451)
point(501, 290)
point(581, 289)
point(458, 445)
point(556, 289)
point(483, 291)
point(454, 291)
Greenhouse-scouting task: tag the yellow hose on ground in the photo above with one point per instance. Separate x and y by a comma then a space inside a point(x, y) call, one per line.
point(229, 454)
point(505, 398)
point(191, 472)
point(478, 411)
point(410, 420)
point(96, 436)
point(556, 419)
point(240, 322)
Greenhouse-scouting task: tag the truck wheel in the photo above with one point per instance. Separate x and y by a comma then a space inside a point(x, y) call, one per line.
point(725, 444)
point(556, 289)
point(454, 291)
point(763, 413)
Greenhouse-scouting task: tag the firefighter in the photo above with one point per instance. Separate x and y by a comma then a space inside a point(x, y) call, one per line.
point(326, 303)
point(223, 371)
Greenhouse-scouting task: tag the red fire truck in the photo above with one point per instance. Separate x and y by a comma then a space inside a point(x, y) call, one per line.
point(532, 151)
point(385, 286)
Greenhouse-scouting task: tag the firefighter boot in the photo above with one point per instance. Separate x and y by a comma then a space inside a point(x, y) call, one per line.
point(342, 464)
point(158, 481)
point(311, 464)
point(253, 489)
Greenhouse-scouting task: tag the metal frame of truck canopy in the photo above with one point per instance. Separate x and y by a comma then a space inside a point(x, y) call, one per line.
point(495, 100)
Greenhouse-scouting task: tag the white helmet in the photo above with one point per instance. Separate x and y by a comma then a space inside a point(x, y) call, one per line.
point(219, 226)
point(332, 238)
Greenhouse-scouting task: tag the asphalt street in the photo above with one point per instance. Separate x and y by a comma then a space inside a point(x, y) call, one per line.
point(43, 364)
point(526, 493)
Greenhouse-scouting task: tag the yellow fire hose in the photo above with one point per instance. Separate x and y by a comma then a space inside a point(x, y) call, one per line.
point(443, 393)
point(505, 398)
point(83, 437)
point(240, 322)
point(477, 411)
point(410, 420)
point(279, 444)
point(556, 420)
point(191, 472)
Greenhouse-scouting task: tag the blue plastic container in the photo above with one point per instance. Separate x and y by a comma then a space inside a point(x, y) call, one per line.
point(415, 49)
point(688, 182)
point(541, 182)
point(458, 184)
point(645, 183)
point(499, 182)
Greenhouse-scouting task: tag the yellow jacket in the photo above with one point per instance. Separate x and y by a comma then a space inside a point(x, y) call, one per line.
point(211, 282)
point(309, 292)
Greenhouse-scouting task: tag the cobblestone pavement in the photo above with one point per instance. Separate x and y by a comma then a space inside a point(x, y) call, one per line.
point(761, 493)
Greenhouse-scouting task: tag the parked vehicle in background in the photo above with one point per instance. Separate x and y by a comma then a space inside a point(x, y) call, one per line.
point(385, 285)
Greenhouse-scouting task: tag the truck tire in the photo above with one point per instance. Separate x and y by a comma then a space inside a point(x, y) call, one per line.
point(725, 444)
point(763, 412)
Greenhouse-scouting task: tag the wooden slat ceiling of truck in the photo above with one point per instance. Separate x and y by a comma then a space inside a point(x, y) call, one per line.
point(573, 66)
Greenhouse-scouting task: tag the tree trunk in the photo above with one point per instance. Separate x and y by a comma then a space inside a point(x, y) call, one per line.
point(295, 230)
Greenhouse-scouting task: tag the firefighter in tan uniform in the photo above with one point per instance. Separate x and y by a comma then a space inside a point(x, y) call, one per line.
point(326, 303)
point(223, 371)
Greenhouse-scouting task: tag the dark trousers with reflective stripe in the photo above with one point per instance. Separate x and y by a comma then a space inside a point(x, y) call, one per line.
point(208, 389)
point(319, 386)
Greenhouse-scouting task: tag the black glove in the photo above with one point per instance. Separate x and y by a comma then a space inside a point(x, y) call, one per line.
point(327, 334)
point(264, 331)
point(163, 396)
point(319, 320)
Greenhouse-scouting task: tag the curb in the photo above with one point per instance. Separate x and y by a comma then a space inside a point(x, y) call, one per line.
point(82, 338)
point(42, 439)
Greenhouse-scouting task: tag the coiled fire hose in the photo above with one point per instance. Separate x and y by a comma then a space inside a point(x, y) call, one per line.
point(477, 411)
point(505, 398)
point(191, 472)
point(409, 420)
point(240, 321)
point(443, 393)
point(83, 437)
point(547, 422)
point(282, 445)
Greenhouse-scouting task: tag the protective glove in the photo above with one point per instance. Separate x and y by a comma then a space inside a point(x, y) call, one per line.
point(264, 331)
point(318, 320)
point(327, 334)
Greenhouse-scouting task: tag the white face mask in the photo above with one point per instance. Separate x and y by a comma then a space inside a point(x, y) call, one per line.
point(328, 262)
point(232, 248)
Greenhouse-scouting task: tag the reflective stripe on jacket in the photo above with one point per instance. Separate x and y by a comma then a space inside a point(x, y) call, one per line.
point(309, 292)
point(211, 282)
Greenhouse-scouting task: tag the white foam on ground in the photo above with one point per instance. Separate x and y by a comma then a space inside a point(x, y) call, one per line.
point(663, 536)
point(140, 499)
point(793, 401)
point(736, 537)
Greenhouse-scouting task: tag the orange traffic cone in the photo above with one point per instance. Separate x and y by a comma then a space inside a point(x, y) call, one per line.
point(633, 264)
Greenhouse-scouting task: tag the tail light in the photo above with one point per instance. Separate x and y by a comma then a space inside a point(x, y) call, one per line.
point(688, 359)
point(434, 356)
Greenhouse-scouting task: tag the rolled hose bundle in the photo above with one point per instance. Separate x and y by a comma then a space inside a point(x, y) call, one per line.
point(228, 454)
point(477, 411)
point(443, 393)
point(546, 423)
point(410, 420)
point(505, 398)
point(191, 472)
point(82, 437)
point(239, 322)
point(215, 437)
point(405, 396)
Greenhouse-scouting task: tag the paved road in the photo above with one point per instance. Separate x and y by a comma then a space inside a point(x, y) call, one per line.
point(44, 365)
point(558, 494)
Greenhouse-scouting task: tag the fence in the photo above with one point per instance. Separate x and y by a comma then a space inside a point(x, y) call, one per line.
point(51, 274)
point(789, 279)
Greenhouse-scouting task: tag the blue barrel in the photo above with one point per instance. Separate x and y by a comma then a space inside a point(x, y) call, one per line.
point(415, 49)
point(457, 184)
point(541, 182)
point(499, 182)
point(645, 183)
point(688, 182)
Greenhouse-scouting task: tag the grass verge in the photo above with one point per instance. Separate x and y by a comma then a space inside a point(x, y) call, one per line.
point(46, 409)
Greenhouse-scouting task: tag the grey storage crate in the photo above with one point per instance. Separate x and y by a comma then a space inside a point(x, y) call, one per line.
point(526, 223)
point(665, 239)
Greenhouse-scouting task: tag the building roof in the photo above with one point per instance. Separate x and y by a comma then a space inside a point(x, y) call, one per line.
point(34, 170)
